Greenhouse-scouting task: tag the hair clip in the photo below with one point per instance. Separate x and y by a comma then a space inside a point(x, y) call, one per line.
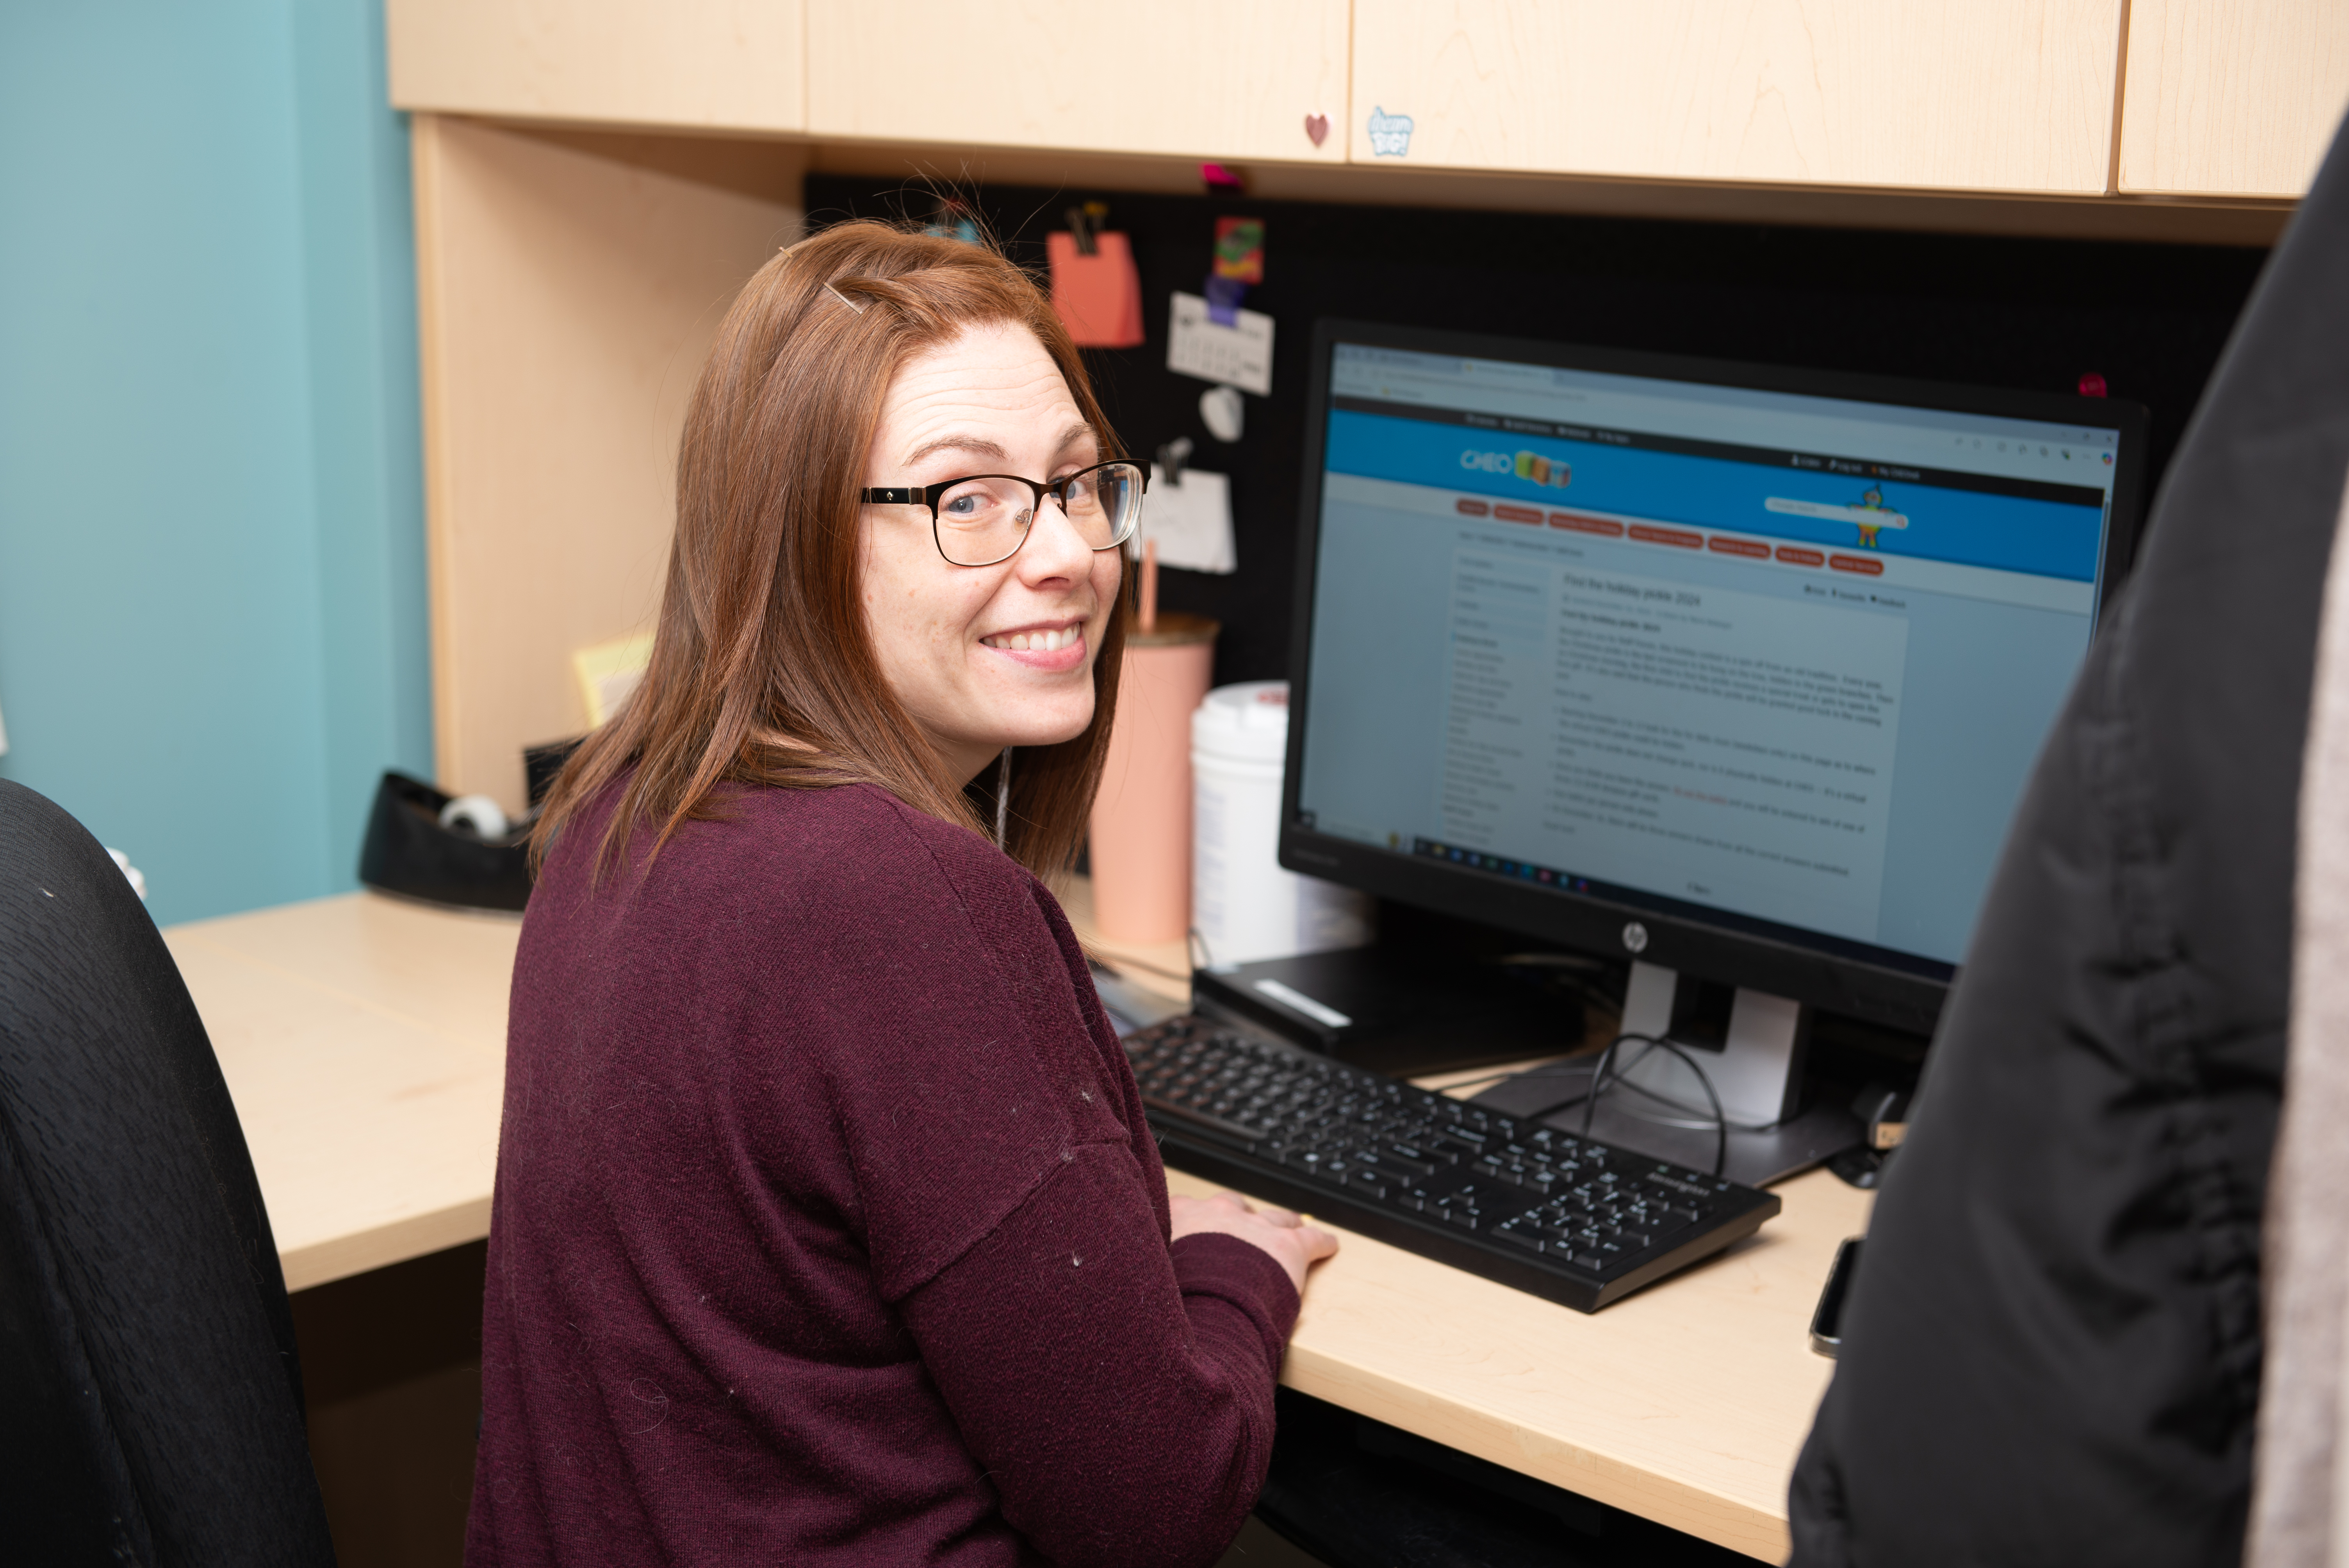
point(843, 299)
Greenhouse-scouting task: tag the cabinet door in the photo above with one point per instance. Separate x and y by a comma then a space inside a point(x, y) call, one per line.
point(2231, 98)
point(1212, 79)
point(1983, 95)
point(736, 65)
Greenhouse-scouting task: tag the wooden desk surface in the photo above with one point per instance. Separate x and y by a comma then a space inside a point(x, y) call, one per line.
point(364, 1041)
point(1686, 1403)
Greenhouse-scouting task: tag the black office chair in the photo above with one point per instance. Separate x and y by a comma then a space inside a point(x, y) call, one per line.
point(151, 1399)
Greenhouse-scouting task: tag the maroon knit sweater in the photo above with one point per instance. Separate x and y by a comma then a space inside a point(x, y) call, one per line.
point(828, 1229)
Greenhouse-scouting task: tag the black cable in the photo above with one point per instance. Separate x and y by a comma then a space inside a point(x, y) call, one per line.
point(1598, 1085)
point(1623, 1080)
point(1571, 1067)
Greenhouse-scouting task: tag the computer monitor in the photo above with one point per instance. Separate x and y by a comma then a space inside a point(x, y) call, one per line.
point(1734, 671)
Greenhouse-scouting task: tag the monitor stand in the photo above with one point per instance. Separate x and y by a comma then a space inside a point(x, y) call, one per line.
point(1750, 1045)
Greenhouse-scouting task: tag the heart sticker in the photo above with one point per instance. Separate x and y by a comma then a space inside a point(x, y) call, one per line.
point(1317, 127)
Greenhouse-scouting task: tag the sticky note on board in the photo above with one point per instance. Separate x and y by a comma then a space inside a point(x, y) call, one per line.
point(1239, 355)
point(1190, 519)
point(610, 673)
point(1098, 297)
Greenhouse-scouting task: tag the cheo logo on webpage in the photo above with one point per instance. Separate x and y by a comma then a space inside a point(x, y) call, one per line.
point(1530, 466)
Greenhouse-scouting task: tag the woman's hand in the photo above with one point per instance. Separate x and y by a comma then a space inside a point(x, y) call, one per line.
point(1293, 1244)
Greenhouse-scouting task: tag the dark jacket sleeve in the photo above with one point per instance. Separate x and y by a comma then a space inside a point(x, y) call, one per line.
point(2051, 1350)
point(1118, 1392)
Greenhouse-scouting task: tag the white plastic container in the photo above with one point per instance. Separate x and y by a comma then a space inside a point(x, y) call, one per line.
point(1245, 906)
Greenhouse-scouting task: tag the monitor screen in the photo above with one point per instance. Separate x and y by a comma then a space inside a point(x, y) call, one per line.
point(1738, 669)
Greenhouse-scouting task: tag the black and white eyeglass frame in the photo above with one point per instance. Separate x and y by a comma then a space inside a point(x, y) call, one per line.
point(929, 496)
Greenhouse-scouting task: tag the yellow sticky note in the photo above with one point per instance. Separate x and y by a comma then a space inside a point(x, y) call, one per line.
point(608, 673)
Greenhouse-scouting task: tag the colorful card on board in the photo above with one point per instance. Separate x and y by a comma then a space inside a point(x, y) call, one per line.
point(1239, 249)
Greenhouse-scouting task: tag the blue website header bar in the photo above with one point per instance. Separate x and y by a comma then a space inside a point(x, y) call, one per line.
point(1970, 527)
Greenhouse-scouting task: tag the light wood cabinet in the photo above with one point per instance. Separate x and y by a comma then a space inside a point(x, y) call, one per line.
point(1982, 95)
point(1204, 78)
point(568, 287)
point(736, 64)
point(569, 279)
point(2231, 98)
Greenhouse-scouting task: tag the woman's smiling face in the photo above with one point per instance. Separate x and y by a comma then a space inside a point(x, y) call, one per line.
point(984, 657)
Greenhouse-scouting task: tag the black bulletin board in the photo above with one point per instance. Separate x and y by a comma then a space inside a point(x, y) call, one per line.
point(1994, 312)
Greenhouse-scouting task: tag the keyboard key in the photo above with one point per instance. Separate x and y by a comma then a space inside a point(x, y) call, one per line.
point(1466, 1219)
point(1591, 1261)
point(1519, 1238)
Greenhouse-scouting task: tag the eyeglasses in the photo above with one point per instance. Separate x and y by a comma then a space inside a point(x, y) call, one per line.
point(982, 519)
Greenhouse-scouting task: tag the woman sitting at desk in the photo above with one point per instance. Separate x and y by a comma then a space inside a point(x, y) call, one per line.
point(828, 1228)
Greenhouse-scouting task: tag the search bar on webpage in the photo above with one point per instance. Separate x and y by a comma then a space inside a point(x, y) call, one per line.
point(1865, 516)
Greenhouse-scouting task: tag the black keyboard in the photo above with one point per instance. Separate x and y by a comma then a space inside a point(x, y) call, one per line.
point(1570, 1220)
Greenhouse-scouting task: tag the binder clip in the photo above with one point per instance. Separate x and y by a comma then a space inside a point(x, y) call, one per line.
point(1172, 458)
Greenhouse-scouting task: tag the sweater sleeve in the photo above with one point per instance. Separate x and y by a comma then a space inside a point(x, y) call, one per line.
point(1118, 1391)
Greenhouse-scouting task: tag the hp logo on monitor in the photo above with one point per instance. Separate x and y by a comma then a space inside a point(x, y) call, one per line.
point(1635, 937)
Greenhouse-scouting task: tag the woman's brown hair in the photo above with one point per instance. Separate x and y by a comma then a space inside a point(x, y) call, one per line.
point(762, 670)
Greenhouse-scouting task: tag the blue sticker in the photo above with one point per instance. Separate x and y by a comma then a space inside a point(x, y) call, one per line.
point(1390, 134)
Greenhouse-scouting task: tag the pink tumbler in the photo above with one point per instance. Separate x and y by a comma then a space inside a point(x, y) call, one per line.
point(1140, 845)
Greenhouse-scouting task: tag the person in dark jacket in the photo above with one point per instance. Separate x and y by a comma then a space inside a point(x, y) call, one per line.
point(828, 1229)
point(2053, 1349)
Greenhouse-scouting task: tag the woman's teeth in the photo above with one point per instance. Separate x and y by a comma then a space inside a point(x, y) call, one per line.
point(1034, 641)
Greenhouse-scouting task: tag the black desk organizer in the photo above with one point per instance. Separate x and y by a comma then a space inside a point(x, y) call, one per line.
point(407, 852)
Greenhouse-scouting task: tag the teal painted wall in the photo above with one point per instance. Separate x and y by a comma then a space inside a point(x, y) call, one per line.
point(212, 620)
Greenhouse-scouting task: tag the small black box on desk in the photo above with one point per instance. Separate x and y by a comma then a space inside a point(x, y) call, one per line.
point(1394, 1011)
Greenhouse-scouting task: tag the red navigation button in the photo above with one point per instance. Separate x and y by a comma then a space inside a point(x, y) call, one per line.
point(1606, 526)
point(1682, 536)
point(1470, 508)
point(1751, 549)
point(1517, 513)
point(1866, 565)
point(1795, 555)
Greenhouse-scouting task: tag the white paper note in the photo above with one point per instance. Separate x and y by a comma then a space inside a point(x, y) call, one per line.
point(1238, 356)
point(1191, 522)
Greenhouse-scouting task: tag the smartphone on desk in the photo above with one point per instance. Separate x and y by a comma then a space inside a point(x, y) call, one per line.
point(1827, 1323)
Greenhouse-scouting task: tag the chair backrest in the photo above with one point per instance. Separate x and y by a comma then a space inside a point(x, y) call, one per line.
point(150, 1399)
